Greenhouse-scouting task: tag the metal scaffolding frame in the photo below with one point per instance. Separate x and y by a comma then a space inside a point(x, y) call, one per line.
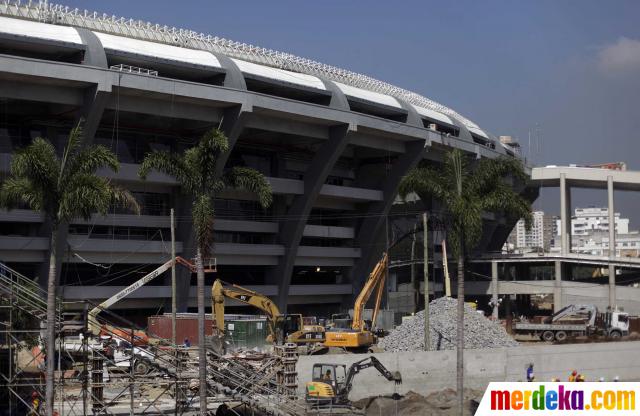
point(161, 387)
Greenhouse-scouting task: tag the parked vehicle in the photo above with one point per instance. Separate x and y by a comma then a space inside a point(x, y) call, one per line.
point(577, 320)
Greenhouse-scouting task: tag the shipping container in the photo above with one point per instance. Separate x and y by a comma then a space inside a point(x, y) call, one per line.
point(186, 328)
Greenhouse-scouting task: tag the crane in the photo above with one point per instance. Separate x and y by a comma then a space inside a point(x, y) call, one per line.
point(358, 335)
point(282, 328)
point(139, 337)
point(330, 384)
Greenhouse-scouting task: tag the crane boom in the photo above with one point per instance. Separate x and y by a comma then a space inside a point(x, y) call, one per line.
point(93, 323)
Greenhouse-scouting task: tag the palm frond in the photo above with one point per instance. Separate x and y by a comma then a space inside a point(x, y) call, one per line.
point(15, 191)
point(169, 163)
point(84, 195)
point(91, 158)
point(124, 198)
point(74, 144)
point(250, 180)
point(39, 163)
point(423, 181)
point(491, 171)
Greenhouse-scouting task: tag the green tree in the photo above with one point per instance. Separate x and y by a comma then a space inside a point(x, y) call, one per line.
point(466, 190)
point(64, 188)
point(196, 172)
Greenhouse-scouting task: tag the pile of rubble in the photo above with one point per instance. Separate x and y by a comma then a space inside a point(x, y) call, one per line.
point(441, 403)
point(479, 332)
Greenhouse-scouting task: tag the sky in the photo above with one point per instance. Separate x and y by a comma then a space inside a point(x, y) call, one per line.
point(563, 72)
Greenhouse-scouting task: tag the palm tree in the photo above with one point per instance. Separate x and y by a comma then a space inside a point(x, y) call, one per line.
point(63, 188)
point(195, 171)
point(466, 190)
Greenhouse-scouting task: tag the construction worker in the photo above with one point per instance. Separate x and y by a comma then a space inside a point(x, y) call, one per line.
point(573, 376)
point(35, 404)
point(530, 376)
point(327, 376)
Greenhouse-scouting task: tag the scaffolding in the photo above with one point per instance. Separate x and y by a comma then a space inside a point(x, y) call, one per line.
point(114, 374)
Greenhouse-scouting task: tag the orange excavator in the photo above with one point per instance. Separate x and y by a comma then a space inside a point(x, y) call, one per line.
point(359, 335)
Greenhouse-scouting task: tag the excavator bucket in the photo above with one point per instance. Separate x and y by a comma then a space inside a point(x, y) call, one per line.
point(397, 377)
point(217, 344)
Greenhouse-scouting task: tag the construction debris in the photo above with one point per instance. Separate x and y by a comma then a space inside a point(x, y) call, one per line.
point(441, 403)
point(479, 332)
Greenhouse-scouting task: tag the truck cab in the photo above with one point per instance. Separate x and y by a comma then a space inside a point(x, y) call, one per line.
point(616, 324)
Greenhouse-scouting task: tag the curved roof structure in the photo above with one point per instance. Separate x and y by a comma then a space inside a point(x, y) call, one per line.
point(139, 37)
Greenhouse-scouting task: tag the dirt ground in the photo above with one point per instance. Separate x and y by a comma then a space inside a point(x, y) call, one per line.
point(442, 403)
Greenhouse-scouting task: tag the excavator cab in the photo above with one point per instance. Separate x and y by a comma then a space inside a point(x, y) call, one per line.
point(327, 380)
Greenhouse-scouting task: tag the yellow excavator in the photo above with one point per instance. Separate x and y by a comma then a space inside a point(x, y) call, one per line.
point(332, 383)
point(358, 335)
point(283, 328)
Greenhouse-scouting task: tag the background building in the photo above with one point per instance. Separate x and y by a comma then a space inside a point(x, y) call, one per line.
point(333, 144)
point(540, 236)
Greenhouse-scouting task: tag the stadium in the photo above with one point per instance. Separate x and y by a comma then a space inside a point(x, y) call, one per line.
point(333, 144)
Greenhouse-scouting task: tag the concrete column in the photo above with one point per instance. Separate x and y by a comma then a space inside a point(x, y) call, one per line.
point(557, 288)
point(612, 243)
point(565, 215)
point(494, 288)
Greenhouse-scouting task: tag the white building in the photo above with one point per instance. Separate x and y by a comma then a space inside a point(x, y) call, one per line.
point(587, 220)
point(540, 235)
point(590, 234)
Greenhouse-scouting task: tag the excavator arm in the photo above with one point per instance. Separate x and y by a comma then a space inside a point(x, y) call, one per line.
point(219, 292)
point(363, 365)
point(375, 282)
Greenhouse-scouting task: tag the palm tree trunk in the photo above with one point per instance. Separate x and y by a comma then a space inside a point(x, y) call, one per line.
point(50, 337)
point(460, 335)
point(202, 358)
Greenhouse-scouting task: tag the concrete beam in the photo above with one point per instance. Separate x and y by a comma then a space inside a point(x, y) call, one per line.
point(94, 54)
point(298, 213)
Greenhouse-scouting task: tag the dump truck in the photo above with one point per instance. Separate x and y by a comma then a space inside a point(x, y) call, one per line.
point(577, 320)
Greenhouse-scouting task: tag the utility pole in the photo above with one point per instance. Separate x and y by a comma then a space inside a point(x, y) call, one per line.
point(427, 338)
point(173, 279)
point(445, 265)
point(414, 282)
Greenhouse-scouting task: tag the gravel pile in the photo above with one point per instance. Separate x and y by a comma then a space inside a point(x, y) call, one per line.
point(479, 332)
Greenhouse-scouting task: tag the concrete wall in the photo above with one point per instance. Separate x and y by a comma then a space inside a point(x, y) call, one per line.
point(425, 372)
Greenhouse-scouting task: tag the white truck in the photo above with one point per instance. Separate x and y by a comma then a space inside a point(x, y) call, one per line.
point(577, 320)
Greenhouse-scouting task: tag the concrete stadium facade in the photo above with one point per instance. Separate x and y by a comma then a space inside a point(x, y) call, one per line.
point(333, 152)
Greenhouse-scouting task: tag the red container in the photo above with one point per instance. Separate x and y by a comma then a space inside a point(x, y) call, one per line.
point(159, 326)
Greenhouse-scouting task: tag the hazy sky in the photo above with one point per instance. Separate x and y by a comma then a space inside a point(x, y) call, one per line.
point(566, 71)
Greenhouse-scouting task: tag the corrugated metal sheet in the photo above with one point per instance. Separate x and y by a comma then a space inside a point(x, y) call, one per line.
point(247, 333)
